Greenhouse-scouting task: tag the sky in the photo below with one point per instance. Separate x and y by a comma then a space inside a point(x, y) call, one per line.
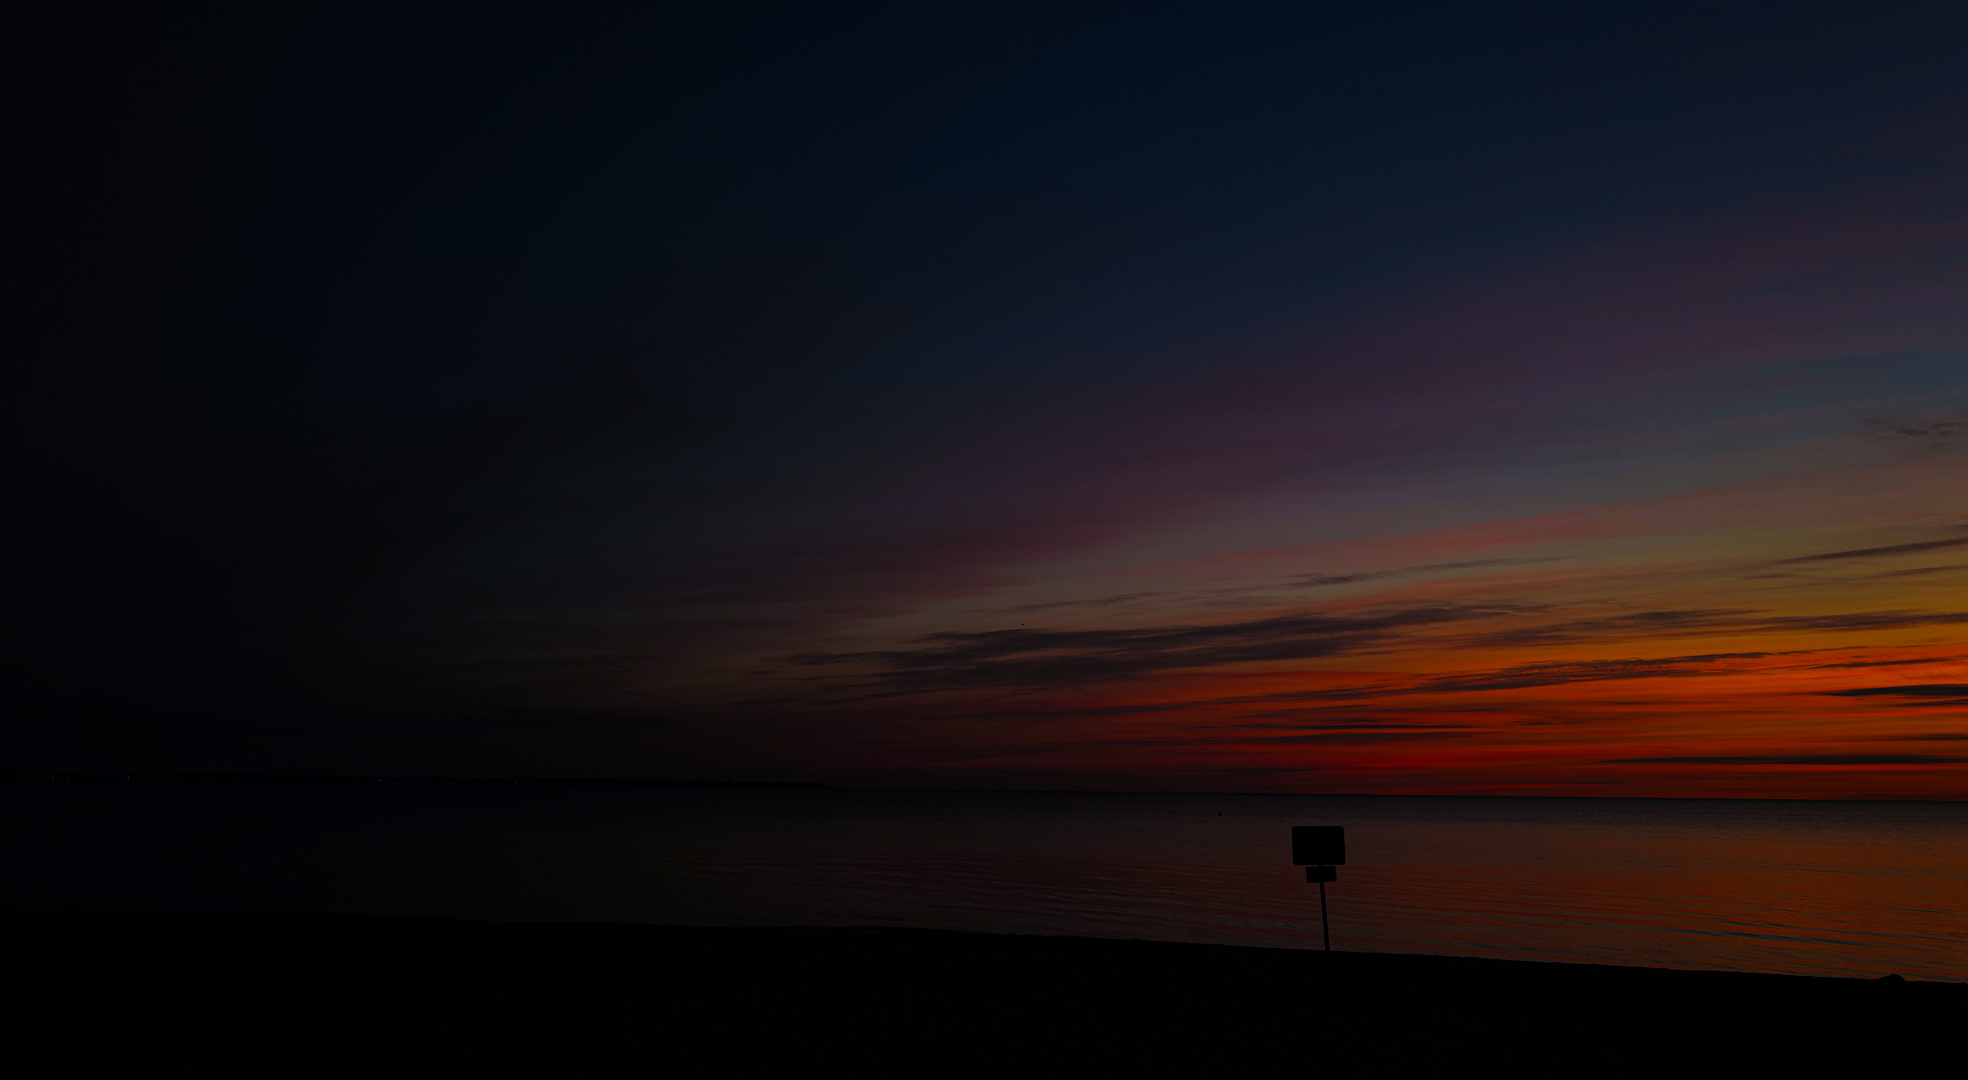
point(1548, 400)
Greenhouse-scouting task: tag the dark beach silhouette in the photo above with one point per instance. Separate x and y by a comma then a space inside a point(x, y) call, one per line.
point(146, 994)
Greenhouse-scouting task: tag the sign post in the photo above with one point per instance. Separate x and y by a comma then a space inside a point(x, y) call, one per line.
point(1320, 848)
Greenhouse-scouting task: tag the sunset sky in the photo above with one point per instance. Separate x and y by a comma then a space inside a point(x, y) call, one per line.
point(1562, 400)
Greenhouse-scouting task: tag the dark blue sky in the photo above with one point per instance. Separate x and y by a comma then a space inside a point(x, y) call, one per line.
point(415, 375)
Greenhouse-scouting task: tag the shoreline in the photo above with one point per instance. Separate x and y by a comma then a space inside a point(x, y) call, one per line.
point(337, 995)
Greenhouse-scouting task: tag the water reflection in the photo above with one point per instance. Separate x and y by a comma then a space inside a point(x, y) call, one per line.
point(1812, 888)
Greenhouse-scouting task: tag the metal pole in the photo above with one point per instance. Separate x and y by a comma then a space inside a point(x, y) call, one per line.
point(1324, 927)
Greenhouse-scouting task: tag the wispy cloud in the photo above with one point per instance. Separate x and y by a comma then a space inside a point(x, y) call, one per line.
point(1920, 570)
point(1621, 627)
point(1104, 601)
point(1795, 759)
point(1063, 658)
point(1355, 724)
point(1922, 693)
point(1877, 552)
point(1313, 581)
point(1712, 620)
point(1915, 690)
point(1883, 663)
point(1022, 657)
point(1932, 430)
point(1525, 676)
point(1559, 672)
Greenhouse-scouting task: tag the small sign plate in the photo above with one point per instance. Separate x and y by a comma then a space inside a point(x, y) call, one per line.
point(1319, 845)
point(1321, 873)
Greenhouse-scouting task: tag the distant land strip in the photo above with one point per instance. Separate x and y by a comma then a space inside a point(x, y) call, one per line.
point(317, 778)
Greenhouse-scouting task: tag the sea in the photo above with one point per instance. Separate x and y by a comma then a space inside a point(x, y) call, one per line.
point(1813, 888)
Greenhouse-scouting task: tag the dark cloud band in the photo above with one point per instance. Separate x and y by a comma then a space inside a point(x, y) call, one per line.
point(1796, 759)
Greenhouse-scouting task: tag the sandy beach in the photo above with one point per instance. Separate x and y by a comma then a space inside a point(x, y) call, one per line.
point(133, 993)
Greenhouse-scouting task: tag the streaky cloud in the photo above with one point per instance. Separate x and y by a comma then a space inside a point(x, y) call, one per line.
point(1560, 672)
point(1882, 663)
point(1356, 725)
point(1104, 601)
point(1927, 694)
point(1914, 690)
point(1794, 759)
point(1874, 552)
point(1030, 657)
point(1922, 570)
point(1525, 676)
point(1933, 430)
point(1712, 620)
point(1313, 581)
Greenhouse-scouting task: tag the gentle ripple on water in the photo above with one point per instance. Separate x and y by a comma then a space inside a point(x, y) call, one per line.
point(1809, 888)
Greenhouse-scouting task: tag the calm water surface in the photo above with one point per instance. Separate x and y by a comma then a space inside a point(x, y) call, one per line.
point(1809, 888)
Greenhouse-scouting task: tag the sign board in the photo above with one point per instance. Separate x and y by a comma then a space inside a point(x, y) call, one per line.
point(1319, 845)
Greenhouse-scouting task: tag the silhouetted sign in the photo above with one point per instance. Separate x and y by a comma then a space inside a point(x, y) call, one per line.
point(1321, 873)
point(1319, 845)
